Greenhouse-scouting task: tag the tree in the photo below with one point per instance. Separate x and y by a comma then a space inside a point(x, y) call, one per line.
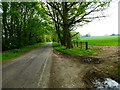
point(24, 23)
point(66, 15)
point(87, 35)
point(75, 35)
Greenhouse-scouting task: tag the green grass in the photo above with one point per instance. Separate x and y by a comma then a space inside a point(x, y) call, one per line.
point(75, 50)
point(6, 55)
point(101, 40)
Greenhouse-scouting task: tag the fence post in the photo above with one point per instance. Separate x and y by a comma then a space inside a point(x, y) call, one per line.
point(86, 45)
point(77, 44)
point(81, 44)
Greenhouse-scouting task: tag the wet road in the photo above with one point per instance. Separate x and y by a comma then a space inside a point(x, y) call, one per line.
point(31, 70)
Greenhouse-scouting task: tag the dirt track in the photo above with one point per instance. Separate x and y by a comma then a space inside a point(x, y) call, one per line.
point(74, 72)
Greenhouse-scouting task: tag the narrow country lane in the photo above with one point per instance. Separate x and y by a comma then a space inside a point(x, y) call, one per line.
point(31, 70)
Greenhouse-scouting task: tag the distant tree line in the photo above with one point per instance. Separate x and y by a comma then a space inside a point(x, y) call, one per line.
point(87, 35)
point(115, 35)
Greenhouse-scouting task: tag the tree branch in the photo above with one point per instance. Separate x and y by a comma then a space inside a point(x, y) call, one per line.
point(72, 4)
point(75, 34)
point(54, 6)
point(82, 17)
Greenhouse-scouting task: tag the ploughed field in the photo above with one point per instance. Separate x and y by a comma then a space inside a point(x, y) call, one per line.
point(101, 40)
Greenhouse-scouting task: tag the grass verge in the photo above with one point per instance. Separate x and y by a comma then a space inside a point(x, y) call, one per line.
point(7, 55)
point(75, 50)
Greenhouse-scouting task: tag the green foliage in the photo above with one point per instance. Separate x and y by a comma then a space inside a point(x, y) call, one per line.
point(76, 50)
point(101, 40)
point(68, 15)
point(55, 37)
point(24, 23)
point(76, 37)
point(6, 55)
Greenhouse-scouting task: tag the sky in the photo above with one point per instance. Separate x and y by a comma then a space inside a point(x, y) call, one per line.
point(104, 26)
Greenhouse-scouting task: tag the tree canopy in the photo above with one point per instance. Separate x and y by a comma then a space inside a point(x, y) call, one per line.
point(26, 23)
point(67, 15)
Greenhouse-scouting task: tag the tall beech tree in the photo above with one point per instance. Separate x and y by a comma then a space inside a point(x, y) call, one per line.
point(66, 15)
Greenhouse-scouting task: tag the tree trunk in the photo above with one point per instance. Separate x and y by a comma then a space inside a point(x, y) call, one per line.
point(58, 33)
point(5, 26)
point(66, 32)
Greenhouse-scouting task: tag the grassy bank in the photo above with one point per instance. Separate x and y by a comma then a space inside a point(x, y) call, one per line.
point(6, 55)
point(75, 50)
point(101, 40)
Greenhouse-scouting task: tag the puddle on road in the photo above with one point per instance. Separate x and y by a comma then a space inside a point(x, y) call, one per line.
point(106, 83)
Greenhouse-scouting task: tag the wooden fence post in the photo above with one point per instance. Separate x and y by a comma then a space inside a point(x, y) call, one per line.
point(86, 45)
point(81, 44)
point(77, 44)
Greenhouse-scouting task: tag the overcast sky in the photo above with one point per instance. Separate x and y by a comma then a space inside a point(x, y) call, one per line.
point(105, 26)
